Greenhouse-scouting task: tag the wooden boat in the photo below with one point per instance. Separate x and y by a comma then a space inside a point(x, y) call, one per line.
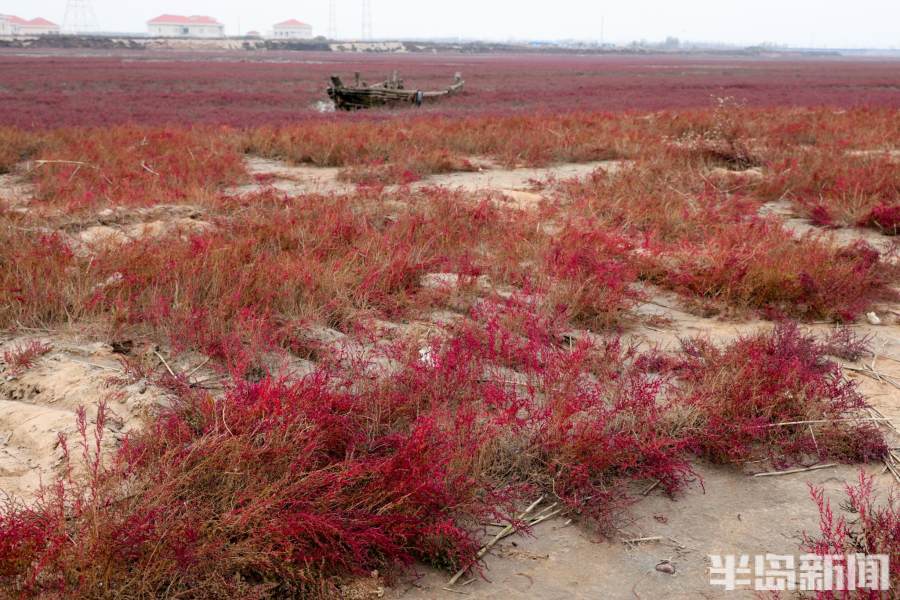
point(392, 92)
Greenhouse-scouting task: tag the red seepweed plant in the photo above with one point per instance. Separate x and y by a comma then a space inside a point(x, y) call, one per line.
point(287, 486)
point(837, 188)
point(22, 358)
point(283, 487)
point(711, 246)
point(393, 453)
point(132, 166)
point(269, 491)
point(759, 264)
point(885, 218)
point(869, 527)
point(241, 88)
point(774, 394)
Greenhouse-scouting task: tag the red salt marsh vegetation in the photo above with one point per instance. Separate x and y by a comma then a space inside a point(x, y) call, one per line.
point(368, 377)
point(249, 89)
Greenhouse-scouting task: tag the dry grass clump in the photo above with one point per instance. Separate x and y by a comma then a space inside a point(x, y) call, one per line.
point(758, 264)
point(428, 145)
point(41, 279)
point(133, 166)
point(711, 246)
point(837, 189)
point(592, 280)
point(16, 146)
point(774, 394)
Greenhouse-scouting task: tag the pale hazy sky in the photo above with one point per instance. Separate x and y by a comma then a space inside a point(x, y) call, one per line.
point(827, 23)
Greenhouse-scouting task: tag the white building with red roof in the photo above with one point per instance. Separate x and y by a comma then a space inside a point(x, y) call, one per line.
point(292, 30)
point(13, 25)
point(196, 26)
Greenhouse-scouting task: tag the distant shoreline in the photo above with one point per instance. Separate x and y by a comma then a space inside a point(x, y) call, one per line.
point(254, 44)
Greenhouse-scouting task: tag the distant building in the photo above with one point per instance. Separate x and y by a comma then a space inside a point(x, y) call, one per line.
point(292, 30)
point(196, 26)
point(12, 25)
point(253, 34)
point(7, 26)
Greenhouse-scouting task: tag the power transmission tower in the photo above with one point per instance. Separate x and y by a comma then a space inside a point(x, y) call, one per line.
point(367, 19)
point(332, 19)
point(80, 17)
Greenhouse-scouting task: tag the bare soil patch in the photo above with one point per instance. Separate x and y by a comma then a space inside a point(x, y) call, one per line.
point(731, 514)
point(891, 154)
point(516, 184)
point(121, 225)
point(41, 402)
point(844, 236)
point(15, 190)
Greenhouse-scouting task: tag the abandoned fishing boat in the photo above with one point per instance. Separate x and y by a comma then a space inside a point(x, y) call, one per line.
point(388, 93)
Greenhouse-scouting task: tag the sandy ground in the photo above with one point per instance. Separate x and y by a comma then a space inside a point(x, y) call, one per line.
point(516, 183)
point(107, 226)
point(124, 223)
point(731, 513)
point(844, 235)
point(890, 153)
point(41, 402)
point(15, 189)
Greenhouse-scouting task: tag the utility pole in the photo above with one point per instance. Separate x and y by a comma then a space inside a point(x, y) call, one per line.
point(332, 19)
point(80, 17)
point(367, 19)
